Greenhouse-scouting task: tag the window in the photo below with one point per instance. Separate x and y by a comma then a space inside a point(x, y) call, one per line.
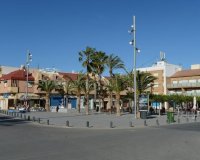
point(155, 74)
point(192, 81)
point(30, 83)
point(155, 85)
point(14, 83)
point(174, 82)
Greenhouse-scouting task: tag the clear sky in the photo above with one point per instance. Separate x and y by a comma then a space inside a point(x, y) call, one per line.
point(56, 30)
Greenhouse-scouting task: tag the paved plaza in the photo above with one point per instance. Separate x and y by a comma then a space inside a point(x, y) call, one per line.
point(100, 120)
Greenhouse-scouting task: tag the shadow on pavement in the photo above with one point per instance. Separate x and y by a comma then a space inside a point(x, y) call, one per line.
point(10, 121)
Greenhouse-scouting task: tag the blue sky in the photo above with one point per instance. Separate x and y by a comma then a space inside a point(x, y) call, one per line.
point(56, 30)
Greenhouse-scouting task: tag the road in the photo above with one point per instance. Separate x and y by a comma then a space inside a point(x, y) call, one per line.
point(20, 140)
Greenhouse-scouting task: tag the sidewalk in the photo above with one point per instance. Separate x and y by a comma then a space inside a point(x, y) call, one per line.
point(104, 120)
point(98, 120)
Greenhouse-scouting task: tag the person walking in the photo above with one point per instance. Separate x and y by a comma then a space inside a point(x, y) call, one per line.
point(57, 108)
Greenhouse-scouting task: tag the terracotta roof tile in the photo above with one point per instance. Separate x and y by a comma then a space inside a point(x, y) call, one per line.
point(17, 75)
point(186, 73)
point(73, 76)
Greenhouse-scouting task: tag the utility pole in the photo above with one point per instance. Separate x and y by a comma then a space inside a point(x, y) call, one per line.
point(134, 52)
point(28, 60)
point(133, 42)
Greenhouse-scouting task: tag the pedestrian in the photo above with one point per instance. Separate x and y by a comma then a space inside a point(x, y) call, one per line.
point(57, 108)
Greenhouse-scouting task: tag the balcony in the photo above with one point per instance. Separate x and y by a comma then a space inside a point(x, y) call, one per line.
point(184, 85)
point(12, 89)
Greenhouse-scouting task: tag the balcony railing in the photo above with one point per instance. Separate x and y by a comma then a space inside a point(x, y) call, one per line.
point(185, 93)
point(183, 85)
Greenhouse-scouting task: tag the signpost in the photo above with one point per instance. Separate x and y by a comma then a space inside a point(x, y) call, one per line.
point(143, 106)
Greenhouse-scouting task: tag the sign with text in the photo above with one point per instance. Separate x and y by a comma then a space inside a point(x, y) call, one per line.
point(143, 102)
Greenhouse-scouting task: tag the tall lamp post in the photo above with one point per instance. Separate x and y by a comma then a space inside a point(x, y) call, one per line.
point(28, 60)
point(133, 42)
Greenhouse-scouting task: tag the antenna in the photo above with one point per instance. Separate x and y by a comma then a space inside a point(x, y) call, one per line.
point(162, 56)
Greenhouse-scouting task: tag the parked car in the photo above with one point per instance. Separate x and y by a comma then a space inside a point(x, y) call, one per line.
point(22, 110)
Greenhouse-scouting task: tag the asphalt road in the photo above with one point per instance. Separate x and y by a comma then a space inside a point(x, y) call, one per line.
point(20, 140)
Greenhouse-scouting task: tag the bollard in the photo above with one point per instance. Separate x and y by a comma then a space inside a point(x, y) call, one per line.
point(38, 120)
point(24, 117)
point(157, 123)
point(111, 124)
point(33, 118)
point(28, 118)
point(87, 124)
point(195, 118)
point(179, 121)
point(130, 124)
point(67, 123)
point(20, 115)
point(187, 119)
point(145, 123)
point(47, 122)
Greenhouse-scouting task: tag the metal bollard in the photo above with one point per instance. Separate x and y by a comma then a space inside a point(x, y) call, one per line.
point(111, 124)
point(33, 119)
point(187, 119)
point(179, 121)
point(67, 123)
point(47, 122)
point(20, 115)
point(28, 118)
point(145, 123)
point(130, 124)
point(24, 117)
point(38, 120)
point(87, 124)
point(195, 118)
point(157, 123)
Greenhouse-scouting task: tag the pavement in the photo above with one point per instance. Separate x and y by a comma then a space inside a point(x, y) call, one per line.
point(96, 120)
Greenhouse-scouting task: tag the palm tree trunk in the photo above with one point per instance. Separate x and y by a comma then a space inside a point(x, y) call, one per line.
point(87, 96)
point(118, 104)
point(47, 107)
point(109, 101)
point(79, 103)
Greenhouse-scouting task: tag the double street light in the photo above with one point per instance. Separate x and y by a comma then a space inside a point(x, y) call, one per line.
point(133, 43)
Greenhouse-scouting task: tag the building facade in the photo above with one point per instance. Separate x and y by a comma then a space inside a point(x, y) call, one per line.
point(185, 82)
point(162, 71)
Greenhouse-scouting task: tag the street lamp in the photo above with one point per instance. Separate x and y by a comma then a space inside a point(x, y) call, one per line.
point(28, 60)
point(133, 42)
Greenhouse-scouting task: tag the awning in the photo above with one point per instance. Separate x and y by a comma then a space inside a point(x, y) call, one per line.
point(22, 96)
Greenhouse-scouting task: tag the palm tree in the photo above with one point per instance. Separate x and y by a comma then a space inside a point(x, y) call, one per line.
point(64, 89)
point(85, 58)
point(144, 81)
point(99, 60)
point(48, 86)
point(113, 62)
point(78, 86)
point(118, 84)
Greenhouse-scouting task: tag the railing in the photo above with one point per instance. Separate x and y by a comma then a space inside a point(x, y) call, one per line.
point(182, 85)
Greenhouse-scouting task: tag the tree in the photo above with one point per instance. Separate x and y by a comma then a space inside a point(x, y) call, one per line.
point(78, 86)
point(99, 60)
point(64, 89)
point(113, 62)
point(118, 84)
point(85, 58)
point(47, 86)
point(144, 80)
